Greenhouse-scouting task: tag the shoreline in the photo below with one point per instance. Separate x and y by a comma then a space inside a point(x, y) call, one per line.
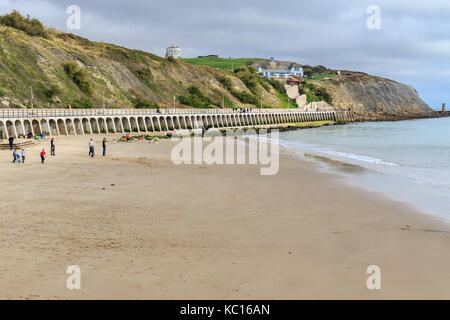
point(141, 227)
point(347, 172)
point(385, 178)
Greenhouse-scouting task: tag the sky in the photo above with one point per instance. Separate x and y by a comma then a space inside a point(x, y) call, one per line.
point(404, 40)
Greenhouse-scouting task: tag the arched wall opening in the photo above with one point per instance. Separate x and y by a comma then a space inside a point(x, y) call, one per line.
point(134, 125)
point(238, 120)
point(156, 125)
point(196, 122)
point(4, 132)
point(110, 126)
point(216, 122)
point(148, 123)
point(45, 128)
point(102, 126)
point(182, 122)
point(78, 127)
point(86, 126)
point(94, 125)
point(126, 125)
point(163, 123)
point(204, 121)
point(11, 130)
point(62, 127)
point(53, 128)
point(229, 121)
point(169, 123)
point(70, 127)
point(27, 126)
point(19, 128)
point(36, 127)
point(141, 124)
point(190, 122)
point(118, 125)
point(176, 123)
point(246, 122)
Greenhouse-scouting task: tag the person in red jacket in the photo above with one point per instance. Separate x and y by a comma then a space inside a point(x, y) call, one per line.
point(42, 156)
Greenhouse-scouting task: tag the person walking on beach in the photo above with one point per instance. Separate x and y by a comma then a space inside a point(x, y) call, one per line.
point(104, 146)
point(14, 156)
point(43, 156)
point(91, 146)
point(23, 155)
point(11, 143)
point(52, 147)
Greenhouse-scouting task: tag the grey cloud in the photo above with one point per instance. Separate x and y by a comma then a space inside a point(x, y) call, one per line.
point(412, 45)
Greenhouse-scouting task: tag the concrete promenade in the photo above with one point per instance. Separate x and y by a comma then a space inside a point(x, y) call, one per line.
point(55, 122)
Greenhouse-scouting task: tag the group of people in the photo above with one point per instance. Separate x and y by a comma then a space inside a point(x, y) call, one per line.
point(17, 158)
point(92, 148)
point(20, 157)
point(242, 110)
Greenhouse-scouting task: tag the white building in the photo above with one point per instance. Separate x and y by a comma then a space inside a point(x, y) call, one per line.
point(278, 69)
point(173, 51)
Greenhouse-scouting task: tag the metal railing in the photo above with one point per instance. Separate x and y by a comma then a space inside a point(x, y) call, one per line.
point(49, 113)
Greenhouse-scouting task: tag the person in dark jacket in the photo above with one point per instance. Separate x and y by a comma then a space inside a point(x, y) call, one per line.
point(14, 156)
point(104, 146)
point(52, 147)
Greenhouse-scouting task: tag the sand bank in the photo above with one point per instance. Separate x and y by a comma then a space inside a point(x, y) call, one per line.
point(140, 227)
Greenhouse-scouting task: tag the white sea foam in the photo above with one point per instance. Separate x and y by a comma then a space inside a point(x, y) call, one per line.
point(317, 150)
point(358, 157)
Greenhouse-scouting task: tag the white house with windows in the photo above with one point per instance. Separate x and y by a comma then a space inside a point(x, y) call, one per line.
point(173, 51)
point(278, 69)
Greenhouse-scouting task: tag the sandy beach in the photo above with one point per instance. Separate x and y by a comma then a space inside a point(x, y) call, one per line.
point(141, 227)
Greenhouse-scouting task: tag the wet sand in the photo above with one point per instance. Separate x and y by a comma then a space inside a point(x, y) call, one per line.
point(141, 227)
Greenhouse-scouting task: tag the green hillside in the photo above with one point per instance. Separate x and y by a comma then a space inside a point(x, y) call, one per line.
point(64, 69)
point(229, 64)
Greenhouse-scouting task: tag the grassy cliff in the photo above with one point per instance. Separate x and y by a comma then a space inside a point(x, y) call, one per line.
point(64, 69)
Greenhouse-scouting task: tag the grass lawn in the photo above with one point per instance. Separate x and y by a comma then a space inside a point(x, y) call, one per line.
point(220, 63)
point(330, 75)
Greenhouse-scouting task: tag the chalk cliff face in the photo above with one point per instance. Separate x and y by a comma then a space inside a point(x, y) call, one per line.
point(374, 98)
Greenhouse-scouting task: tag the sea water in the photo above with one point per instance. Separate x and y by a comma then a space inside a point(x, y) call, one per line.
point(406, 160)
